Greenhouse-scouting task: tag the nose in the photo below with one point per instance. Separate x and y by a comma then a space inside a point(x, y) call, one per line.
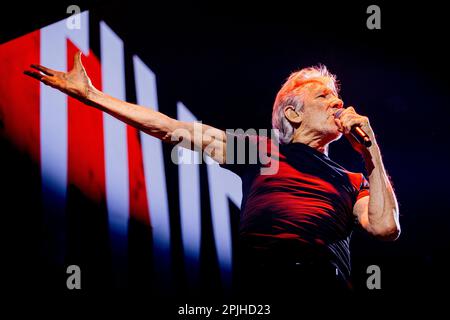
point(337, 104)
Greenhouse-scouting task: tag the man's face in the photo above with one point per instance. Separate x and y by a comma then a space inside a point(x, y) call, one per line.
point(319, 106)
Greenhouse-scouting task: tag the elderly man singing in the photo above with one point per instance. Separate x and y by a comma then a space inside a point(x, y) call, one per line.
point(296, 222)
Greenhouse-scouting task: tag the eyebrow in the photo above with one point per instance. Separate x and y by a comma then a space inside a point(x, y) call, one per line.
point(325, 90)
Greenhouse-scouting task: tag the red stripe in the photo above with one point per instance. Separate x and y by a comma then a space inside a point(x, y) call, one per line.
point(86, 163)
point(138, 195)
point(20, 111)
point(19, 94)
point(86, 148)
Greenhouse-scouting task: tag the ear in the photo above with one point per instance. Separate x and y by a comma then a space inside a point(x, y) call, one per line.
point(293, 116)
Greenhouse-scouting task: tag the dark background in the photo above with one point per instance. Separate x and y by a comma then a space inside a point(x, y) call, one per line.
point(226, 62)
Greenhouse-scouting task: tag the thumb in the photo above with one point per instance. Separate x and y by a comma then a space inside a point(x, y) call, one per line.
point(77, 64)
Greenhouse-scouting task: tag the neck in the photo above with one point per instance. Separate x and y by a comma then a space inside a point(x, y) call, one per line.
point(312, 139)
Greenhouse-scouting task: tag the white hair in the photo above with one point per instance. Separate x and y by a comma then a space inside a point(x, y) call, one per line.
point(291, 94)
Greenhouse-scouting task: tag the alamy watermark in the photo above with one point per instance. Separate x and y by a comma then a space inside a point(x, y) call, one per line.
point(74, 21)
point(374, 20)
point(74, 279)
point(252, 147)
point(374, 280)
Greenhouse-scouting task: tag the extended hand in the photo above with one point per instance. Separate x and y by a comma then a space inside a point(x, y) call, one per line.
point(75, 83)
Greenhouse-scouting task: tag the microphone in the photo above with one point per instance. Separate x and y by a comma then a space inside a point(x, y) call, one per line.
point(356, 131)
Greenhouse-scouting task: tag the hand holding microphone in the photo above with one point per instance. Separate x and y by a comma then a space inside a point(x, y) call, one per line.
point(352, 123)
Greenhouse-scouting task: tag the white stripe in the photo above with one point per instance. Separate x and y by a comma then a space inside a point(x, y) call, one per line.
point(155, 180)
point(53, 123)
point(190, 208)
point(223, 185)
point(116, 149)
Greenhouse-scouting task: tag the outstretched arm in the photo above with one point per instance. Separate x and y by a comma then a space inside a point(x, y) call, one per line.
point(77, 84)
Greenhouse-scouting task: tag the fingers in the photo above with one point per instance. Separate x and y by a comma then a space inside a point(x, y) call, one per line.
point(351, 121)
point(348, 119)
point(344, 122)
point(34, 74)
point(339, 125)
point(43, 69)
point(350, 109)
point(39, 76)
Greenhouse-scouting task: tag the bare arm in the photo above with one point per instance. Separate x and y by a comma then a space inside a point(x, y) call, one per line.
point(77, 84)
point(378, 213)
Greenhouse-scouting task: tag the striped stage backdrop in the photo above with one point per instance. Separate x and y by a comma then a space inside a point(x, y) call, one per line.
point(103, 182)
